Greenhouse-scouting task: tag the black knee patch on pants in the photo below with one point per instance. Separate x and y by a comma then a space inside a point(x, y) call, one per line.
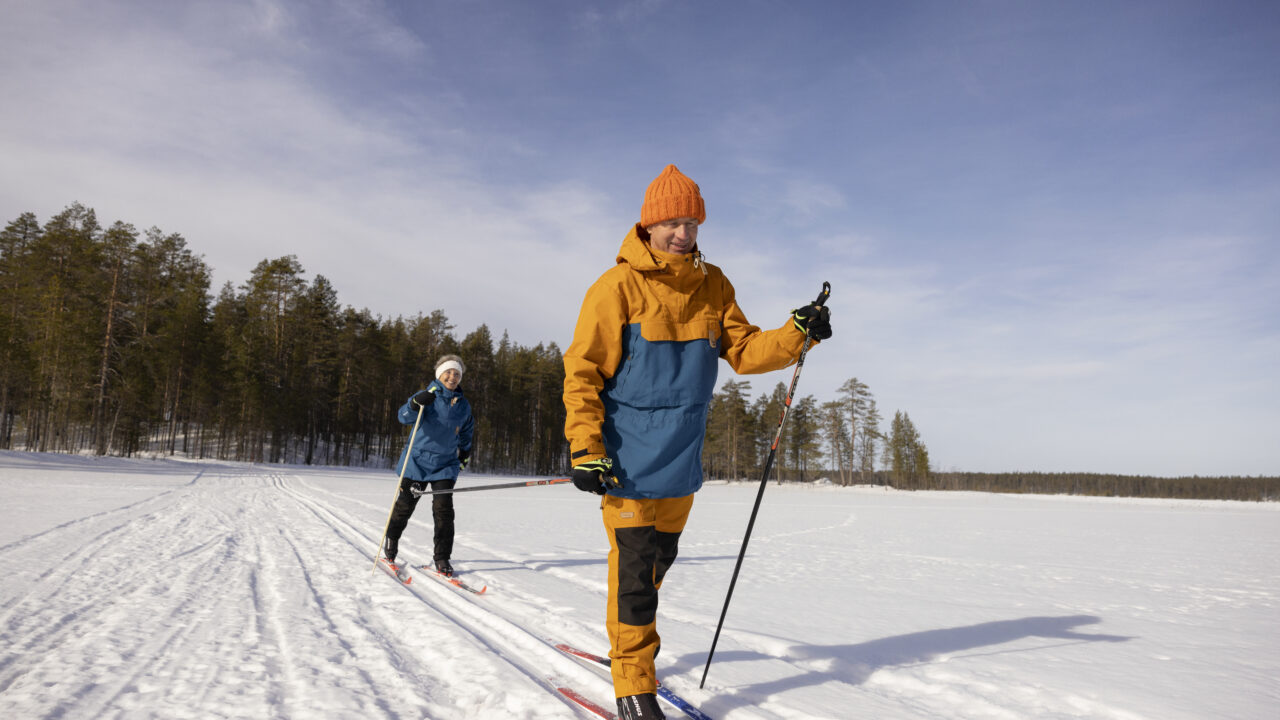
point(668, 548)
point(637, 561)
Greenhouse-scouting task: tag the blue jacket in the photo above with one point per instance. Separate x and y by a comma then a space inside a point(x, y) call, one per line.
point(445, 429)
point(641, 371)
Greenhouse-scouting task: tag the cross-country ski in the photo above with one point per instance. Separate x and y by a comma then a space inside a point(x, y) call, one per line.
point(396, 570)
point(453, 580)
point(599, 661)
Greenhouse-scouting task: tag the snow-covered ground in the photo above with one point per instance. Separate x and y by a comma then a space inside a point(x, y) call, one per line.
point(170, 589)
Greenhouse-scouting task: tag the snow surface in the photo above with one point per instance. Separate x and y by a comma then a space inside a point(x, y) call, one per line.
point(172, 589)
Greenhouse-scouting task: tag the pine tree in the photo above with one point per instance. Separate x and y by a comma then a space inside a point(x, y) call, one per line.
point(802, 437)
point(863, 428)
point(835, 431)
point(16, 289)
point(767, 409)
point(727, 451)
point(908, 458)
point(865, 440)
point(64, 264)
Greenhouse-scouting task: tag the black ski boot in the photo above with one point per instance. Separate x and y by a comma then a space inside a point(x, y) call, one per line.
point(444, 568)
point(639, 707)
point(389, 551)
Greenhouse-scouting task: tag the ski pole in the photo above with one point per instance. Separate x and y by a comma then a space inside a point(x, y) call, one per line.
point(768, 465)
point(399, 480)
point(529, 483)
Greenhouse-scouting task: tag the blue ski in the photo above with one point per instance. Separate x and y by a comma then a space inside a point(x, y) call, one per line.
point(663, 692)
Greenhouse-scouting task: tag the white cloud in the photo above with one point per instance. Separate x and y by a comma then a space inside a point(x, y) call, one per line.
point(262, 129)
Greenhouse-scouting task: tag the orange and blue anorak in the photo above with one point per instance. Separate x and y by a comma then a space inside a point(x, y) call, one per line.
point(642, 367)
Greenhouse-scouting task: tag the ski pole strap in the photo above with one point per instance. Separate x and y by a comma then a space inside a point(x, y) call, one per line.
point(528, 483)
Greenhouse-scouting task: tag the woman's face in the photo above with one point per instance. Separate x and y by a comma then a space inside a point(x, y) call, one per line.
point(450, 378)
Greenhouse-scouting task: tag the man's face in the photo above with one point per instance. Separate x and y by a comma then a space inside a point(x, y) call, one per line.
point(450, 378)
point(676, 236)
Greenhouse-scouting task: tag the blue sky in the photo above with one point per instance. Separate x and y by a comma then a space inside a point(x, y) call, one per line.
point(1052, 228)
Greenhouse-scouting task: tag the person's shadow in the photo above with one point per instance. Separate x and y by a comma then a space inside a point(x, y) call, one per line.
point(853, 664)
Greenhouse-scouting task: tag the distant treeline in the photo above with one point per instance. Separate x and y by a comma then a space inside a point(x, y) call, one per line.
point(1194, 487)
point(1252, 489)
point(111, 342)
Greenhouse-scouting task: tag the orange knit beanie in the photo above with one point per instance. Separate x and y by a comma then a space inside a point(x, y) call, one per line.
point(671, 195)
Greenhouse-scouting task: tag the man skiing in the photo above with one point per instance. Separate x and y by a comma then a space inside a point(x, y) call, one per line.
point(437, 452)
point(639, 376)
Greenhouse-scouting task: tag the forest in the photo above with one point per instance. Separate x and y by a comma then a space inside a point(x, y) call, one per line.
point(112, 342)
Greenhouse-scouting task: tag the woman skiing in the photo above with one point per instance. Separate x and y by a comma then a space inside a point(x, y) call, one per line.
point(438, 450)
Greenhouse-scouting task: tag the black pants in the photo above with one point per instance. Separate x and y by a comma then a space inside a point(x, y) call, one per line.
point(441, 514)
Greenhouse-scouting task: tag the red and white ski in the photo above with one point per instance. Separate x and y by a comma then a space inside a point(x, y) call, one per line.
point(452, 580)
point(395, 570)
point(582, 701)
point(601, 662)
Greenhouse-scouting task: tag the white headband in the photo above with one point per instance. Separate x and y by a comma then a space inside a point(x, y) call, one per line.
point(448, 365)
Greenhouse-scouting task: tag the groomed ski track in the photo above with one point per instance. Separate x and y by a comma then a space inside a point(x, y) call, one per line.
point(137, 588)
point(278, 575)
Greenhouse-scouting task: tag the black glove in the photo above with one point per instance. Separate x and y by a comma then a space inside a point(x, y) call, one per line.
point(595, 476)
point(813, 320)
point(464, 457)
point(423, 398)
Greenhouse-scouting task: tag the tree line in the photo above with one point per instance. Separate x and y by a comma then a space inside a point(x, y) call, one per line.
point(840, 440)
point(111, 342)
point(1101, 484)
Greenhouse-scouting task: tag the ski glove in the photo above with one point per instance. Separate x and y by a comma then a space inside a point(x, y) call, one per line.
point(595, 476)
point(813, 320)
point(464, 457)
point(423, 398)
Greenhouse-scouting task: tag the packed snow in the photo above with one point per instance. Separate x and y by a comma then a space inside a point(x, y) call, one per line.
point(176, 589)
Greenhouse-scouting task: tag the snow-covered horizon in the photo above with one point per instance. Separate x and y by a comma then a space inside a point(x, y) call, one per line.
point(201, 589)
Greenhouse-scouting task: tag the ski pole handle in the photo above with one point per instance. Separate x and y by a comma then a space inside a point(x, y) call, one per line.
point(822, 296)
point(821, 301)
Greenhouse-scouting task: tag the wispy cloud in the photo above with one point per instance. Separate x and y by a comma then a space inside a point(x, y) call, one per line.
point(1027, 254)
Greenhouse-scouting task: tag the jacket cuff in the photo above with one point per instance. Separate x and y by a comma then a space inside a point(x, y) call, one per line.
point(587, 454)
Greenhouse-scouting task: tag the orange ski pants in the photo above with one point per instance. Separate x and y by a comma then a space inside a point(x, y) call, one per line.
point(644, 538)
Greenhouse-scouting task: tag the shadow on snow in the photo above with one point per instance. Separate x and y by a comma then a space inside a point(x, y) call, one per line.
point(854, 663)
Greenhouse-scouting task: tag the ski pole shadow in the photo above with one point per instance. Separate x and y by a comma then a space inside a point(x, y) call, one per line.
point(854, 663)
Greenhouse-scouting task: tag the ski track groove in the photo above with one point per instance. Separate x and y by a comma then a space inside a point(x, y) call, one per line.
point(110, 589)
point(491, 631)
point(178, 554)
point(748, 639)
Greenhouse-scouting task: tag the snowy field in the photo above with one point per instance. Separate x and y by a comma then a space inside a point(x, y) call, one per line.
point(169, 589)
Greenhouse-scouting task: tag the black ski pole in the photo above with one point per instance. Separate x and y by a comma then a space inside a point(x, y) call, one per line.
point(764, 479)
point(473, 488)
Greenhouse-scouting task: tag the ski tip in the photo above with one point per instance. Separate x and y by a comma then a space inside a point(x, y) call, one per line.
point(582, 701)
point(468, 588)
